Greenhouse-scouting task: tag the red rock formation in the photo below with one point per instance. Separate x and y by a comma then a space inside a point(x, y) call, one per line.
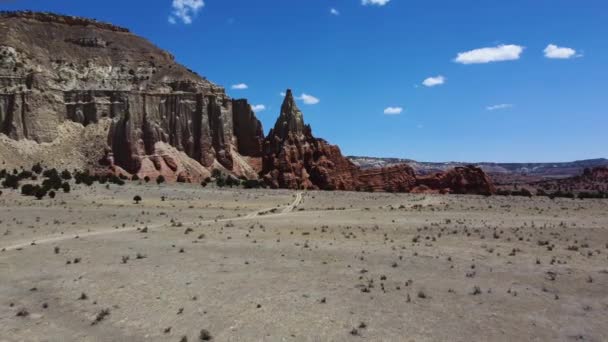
point(459, 180)
point(295, 159)
point(599, 173)
point(398, 178)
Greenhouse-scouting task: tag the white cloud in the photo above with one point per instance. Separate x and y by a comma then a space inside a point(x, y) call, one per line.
point(434, 81)
point(185, 10)
point(308, 99)
point(334, 11)
point(258, 108)
point(490, 54)
point(374, 2)
point(393, 110)
point(558, 52)
point(240, 86)
point(499, 106)
point(282, 94)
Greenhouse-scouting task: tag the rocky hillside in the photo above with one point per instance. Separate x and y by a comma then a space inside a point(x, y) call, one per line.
point(75, 92)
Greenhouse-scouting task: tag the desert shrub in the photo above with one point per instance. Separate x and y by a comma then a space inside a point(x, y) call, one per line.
point(205, 335)
point(22, 313)
point(216, 173)
point(66, 187)
point(137, 199)
point(53, 182)
point(40, 193)
point(28, 190)
point(160, 179)
point(24, 174)
point(232, 181)
point(503, 192)
point(562, 194)
point(52, 194)
point(253, 184)
point(50, 173)
point(135, 178)
point(83, 177)
point(584, 195)
point(521, 192)
point(118, 180)
point(11, 181)
point(37, 168)
point(101, 316)
point(66, 175)
point(146, 179)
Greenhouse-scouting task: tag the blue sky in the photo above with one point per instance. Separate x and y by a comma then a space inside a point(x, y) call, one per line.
point(509, 103)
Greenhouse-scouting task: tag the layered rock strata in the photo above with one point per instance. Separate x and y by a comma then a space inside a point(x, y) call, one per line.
point(55, 69)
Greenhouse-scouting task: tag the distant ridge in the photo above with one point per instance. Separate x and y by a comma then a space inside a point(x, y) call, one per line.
point(542, 170)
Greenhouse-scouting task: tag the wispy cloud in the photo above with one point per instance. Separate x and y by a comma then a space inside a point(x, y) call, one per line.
point(499, 106)
point(240, 86)
point(334, 11)
point(258, 108)
point(308, 99)
point(559, 52)
point(374, 2)
point(490, 54)
point(185, 10)
point(393, 110)
point(434, 81)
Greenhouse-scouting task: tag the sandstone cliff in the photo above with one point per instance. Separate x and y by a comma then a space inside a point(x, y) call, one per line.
point(163, 118)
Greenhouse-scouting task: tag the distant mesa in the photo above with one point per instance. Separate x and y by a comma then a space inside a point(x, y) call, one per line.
point(78, 93)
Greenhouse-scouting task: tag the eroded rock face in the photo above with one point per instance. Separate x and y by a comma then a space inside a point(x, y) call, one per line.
point(247, 128)
point(459, 180)
point(398, 178)
point(295, 159)
point(55, 69)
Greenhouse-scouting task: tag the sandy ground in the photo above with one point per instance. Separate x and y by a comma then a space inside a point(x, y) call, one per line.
point(261, 265)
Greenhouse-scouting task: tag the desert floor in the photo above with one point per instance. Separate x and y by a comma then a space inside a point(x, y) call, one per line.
point(262, 265)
